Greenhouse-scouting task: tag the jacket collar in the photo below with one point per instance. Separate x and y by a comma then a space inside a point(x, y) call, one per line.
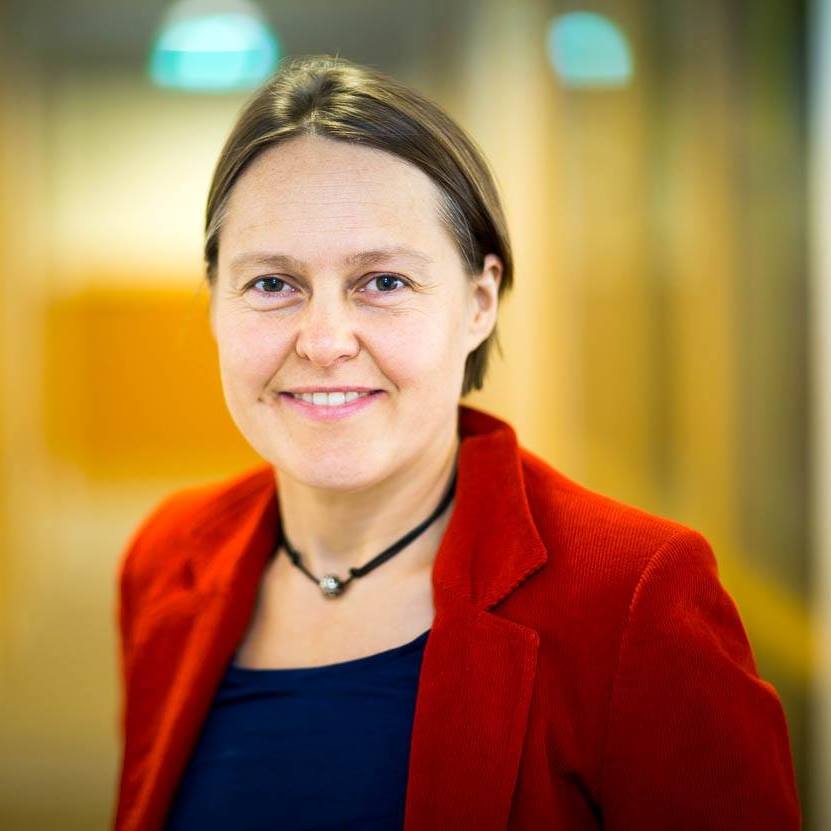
point(477, 671)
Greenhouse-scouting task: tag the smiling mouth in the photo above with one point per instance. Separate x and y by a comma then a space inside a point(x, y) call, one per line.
point(329, 399)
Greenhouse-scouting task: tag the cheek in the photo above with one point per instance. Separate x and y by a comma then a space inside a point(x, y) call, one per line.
point(250, 349)
point(417, 349)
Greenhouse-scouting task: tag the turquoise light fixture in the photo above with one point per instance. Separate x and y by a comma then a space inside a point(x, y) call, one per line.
point(589, 50)
point(205, 46)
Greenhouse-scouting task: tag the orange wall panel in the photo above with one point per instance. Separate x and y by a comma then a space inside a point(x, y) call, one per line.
point(132, 389)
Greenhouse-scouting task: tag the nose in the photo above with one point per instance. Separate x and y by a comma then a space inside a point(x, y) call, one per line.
point(326, 332)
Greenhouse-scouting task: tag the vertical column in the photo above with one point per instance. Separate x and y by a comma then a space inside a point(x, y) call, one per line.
point(820, 328)
point(507, 102)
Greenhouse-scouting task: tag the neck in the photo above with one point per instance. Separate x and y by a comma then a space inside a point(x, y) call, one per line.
point(335, 530)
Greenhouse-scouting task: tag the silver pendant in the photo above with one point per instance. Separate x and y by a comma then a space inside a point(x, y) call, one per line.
point(331, 585)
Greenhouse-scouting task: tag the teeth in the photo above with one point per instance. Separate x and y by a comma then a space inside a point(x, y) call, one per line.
point(330, 399)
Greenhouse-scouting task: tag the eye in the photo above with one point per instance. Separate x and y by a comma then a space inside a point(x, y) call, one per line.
point(384, 283)
point(272, 285)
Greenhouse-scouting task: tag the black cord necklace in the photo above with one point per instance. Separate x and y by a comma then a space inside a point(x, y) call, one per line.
point(332, 586)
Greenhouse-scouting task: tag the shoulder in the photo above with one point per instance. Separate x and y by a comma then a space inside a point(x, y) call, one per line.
point(600, 546)
point(166, 528)
point(638, 592)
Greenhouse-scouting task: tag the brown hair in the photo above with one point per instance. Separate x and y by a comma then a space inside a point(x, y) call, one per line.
point(338, 99)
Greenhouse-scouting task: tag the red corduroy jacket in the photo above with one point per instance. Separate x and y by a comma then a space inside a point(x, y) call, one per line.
point(585, 668)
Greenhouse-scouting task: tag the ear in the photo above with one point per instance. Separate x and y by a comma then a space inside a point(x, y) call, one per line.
point(484, 301)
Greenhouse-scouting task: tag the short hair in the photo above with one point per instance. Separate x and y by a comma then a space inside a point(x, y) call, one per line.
point(338, 99)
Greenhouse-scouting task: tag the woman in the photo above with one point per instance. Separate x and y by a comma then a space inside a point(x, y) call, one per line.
point(404, 618)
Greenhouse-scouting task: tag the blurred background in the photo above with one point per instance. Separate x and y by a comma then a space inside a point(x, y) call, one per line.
point(663, 168)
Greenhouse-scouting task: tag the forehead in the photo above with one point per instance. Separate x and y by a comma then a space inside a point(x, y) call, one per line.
point(312, 191)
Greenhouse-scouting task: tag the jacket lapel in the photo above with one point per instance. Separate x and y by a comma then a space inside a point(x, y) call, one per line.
point(477, 671)
point(470, 720)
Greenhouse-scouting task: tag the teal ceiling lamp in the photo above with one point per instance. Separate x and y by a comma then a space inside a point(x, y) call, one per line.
point(589, 50)
point(213, 46)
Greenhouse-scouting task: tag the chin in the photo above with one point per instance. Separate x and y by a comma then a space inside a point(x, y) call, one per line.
point(346, 474)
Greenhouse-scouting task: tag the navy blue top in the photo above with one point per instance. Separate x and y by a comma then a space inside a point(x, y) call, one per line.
point(305, 749)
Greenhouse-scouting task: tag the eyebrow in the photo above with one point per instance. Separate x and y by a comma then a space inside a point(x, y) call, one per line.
point(275, 259)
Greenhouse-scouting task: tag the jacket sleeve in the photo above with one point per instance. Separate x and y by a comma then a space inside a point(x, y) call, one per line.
point(125, 606)
point(126, 603)
point(134, 569)
point(695, 738)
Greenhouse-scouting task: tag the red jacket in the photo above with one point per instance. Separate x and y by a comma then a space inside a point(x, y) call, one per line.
point(585, 668)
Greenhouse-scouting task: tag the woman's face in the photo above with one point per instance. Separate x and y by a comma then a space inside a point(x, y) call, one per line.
point(299, 304)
